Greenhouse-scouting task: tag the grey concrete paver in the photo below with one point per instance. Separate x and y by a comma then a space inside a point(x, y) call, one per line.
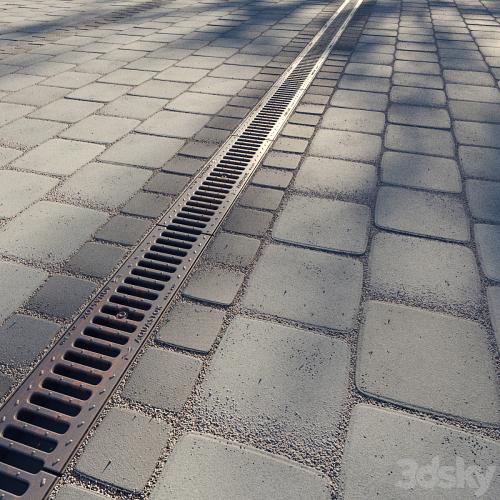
point(123, 230)
point(58, 156)
point(27, 132)
point(430, 272)
point(233, 249)
point(71, 79)
point(371, 122)
point(451, 370)
point(202, 467)
point(419, 171)
point(383, 446)
point(69, 492)
point(359, 100)
point(423, 214)
point(9, 112)
point(66, 110)
point(192, 102)
point(214, 284)
point(7, 155)
point(19, 189)
point(5, 385)
point(484, 199)
point(341, 178)
point(150, 205)
point(487, 238)
point(124, 449)
point(248, 221)
point(421, 116)
point(263, 198)
point(95, 259)
point(61, 296)
point(325, 279)
point(477, 134)
point(322, 224)
point(493, 294)
point(163, 379)
point(129, 106)
point(103, 185)
point(191, 326)
point(21, 281)
point(173, 124)
point(49, 232)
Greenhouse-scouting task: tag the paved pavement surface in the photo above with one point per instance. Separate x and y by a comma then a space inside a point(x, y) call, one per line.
point(340, 337)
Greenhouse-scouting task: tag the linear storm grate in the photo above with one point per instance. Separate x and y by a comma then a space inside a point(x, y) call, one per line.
point(43, 422)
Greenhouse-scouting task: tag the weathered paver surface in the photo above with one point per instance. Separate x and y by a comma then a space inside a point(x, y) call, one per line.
point(339, 338)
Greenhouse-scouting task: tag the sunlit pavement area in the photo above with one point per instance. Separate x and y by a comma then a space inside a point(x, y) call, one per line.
point(339, 339)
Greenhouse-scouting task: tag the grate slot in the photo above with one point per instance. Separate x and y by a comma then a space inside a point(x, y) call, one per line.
point(38, 419)
point(103, 334)
point(138, 292)
point(13, 485)
point(127, 313)
point(114, 323)
point(20, 460)
point(127, 301)
point(87, 360)
point(77, 374)
point(28, 438)
point(187, 230)
point(146, 273)
point(54, 404)
point(152, 264)
point(67, 389)
point(179, 236)
point(152, 285)
point(97, 347)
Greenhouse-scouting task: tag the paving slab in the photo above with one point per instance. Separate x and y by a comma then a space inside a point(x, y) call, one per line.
point(124, 449)
point(49, 232)
point(477, 134)
point(23, 337)
point(136, 107)
point(123, 230)
point(214, 284)
point(420, 140)
point(248, 221)
point(5, 385)
point(322, 224)
point(431, 173)
point(273, 397)
point(68, 492)
point(450, 371)
point(159, 89)
point(423, 214)
point(422, 116)
point(27, 132)
point(203, 467)
point(332, 177)
point(174, 124)
point(426, 272)
point(325, 279)
point(95, 259)
point(36, 95)
point(143, 150)
point(346, 145)
point(8, 154)
point(167, 183)
point(9, 112)
point(263, 198)
point(66, 110)
point(272, 178)
point(359, 100)
point(233, 249)
point(191, 326)
point(58, 156)
point(100, 129)
point(103, 185)
point(487, 238)
point(18, 190)
point(192, 102)
point(61, 296)
point(484, 199)
point(163, 379)
point(392, 455)
point(356, 120)
point(150, 205)
point(493, 293)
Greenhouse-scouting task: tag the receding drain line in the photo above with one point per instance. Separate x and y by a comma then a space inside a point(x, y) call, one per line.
point(44, 421)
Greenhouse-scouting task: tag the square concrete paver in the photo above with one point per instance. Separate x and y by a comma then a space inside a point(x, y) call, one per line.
point(8, 154)
point(202, 467)
point(480, 162)
point(149, 205)
point(191, 326)
point(345, 179)
point(346, 145)
point(103, 185)
point(357, 120)
point(174, 124)
point(424, 272)
point(386, 453)
point(423, 214)
point(21, 281)
point(143, 150)
point(58, 156)
point(68, 492)
point(122, 229)
point(124, 449)
point(232, 249)
point(61, 296)
point(66, 110)
point(487, 237)
point(248, 221)
point(23, 337)
point(329, 291)
point(214, 284)
point(493, 293)
point(323, 224)
point(19, 189)
point(129, 106)
point(192, 102)
point(159, 89)
point(450, 369)
point(28, 133)
point(49, 232)
point(277, 383)
point(95, 259)
point(421, 171)
point(9, 112)
point(484, 199)
point(100, 129)
point(99, 92)
point(163, 379)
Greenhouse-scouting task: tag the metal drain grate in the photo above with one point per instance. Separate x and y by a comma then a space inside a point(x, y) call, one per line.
point(44, 421)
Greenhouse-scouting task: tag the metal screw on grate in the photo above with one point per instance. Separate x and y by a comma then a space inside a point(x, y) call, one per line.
point(43, 422)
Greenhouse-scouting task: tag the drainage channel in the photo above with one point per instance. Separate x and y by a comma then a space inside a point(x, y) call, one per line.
point(44, 421)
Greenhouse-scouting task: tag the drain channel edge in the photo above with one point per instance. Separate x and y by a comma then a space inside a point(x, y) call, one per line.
point(46, 418)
